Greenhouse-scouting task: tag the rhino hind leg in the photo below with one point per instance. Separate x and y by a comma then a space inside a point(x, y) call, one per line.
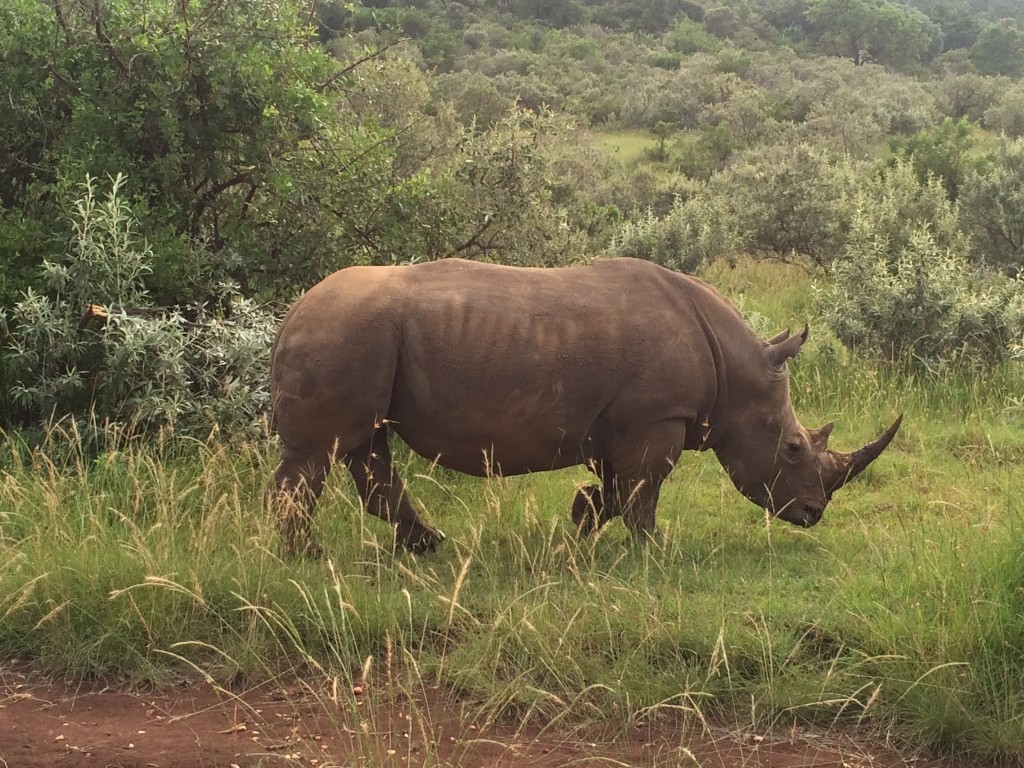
point(291, 497)
point(384, 494)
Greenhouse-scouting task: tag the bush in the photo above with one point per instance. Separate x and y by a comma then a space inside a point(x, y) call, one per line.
point(895, 204)
point(968, 95)
point(791, 200)
point(1007, 114)
point(942, 152)
point(992, 209)
point(125, 361)
point(722, 22)
point(693, 233)
point(920, 302)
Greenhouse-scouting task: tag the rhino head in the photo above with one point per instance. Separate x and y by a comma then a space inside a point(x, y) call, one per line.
point(772, 459)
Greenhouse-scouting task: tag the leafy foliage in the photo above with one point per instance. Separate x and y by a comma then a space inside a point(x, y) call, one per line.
point(968, 95)
point(999, 49)
point(895, 204)
point(920, 301)
point(255, 156)
point(125, 361)
point(211, 110)
point(1006, 114)
point(992, 209)
point(876, 29)
point(696, 231)
point(943, 152)
point(791, 200)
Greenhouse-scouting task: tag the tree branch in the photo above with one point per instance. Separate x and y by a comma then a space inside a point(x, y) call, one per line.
point(101, 34)
point(58, 11)
point(212, 192)
point(345, 70)
point(475, 240)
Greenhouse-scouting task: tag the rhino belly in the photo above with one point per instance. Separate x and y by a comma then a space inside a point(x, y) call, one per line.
point(493, 429)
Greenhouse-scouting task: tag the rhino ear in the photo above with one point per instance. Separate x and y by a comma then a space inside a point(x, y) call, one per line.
point(780, 351)
point(778, 338)
point(819, 436)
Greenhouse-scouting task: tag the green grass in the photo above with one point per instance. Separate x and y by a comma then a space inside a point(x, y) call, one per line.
point(626, 146)
point(901, 614)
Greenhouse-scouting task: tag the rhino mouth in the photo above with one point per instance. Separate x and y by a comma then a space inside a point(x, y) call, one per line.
point(805, 516)
point(812, 515)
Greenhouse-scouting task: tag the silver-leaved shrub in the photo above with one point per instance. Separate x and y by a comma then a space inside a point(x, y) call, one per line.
point(920, 300)
point(92, 346)
point(694, 232)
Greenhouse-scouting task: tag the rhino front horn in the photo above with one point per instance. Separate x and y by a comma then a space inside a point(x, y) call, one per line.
point(854, 463)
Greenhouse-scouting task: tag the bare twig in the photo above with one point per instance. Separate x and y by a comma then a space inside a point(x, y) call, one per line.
point(476, 239)
point(346, 69)
point(101, 34)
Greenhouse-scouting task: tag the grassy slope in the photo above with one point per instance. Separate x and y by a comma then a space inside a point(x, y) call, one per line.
point(902, 611)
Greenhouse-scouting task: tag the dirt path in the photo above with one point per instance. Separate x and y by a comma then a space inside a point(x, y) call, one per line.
point(197, 726)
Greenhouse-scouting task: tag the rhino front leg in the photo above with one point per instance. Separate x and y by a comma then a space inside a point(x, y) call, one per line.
point(291, 497)
point(638, 500)
point(638, 468)
point(589, 510)
point(384, 495)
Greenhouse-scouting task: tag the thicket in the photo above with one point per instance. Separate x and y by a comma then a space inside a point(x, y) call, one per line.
point(256, 153)
point(93, 346)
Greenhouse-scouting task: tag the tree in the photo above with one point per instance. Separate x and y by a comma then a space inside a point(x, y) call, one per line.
point(219, 114)
point(557, 13)
point(790, 200)
point(1007, 114)
point(845, 120)
point(475, 98)
point(958, 25)
point(999, 50)
point(942, 152)
point(992, 209)
point(250, 152)
point(722, 22)
point(871, 30)
point(968, 94)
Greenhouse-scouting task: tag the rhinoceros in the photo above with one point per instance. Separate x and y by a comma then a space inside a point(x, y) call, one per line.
point(618, 365)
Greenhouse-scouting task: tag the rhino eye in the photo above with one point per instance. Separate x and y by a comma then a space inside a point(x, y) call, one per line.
point(793, 449)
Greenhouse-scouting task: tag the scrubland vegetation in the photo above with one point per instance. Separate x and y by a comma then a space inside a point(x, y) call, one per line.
point(174, 175)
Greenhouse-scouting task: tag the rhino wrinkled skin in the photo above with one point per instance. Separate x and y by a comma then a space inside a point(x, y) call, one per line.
point(619, 365)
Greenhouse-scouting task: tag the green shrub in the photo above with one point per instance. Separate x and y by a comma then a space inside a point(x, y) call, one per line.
point(992, 209)
point(896, 203)
point(704, 152)
point(1007, 114)
point(943, 152)
point(791, 200)
point(694, 232)
point(93, 347)
point(919, 301)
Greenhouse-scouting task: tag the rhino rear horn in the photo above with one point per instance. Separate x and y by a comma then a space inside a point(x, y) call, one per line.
point(780, 351)
point(852, 464)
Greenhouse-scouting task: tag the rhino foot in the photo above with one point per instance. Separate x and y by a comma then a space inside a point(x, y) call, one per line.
point(308, 550)
point(421, 540)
